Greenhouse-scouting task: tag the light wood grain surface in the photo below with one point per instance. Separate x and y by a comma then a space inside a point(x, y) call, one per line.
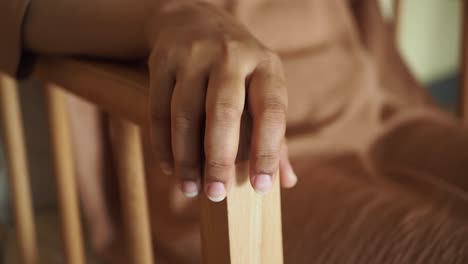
point(128, 152)
point(18, 171)
point(65, 175)
point(246, 228)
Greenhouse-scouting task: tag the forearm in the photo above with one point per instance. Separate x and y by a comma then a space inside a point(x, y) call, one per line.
point(107, 28)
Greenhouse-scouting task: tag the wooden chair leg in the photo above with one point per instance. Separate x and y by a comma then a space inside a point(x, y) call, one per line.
point(65, 175)
point(126, 140)
point(18, 171)
point(246, 227)
point(464, 68)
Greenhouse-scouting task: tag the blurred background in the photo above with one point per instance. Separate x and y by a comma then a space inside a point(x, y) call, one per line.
point(430, 42)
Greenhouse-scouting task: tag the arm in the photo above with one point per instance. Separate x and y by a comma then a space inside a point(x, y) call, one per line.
point(106, 28)
point(378, 37)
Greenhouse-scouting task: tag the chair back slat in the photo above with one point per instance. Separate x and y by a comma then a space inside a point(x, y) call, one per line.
point(128, 154)
point(67, 192)
point(27, 248)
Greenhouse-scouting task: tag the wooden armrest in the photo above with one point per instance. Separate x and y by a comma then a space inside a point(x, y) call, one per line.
point(121, 89)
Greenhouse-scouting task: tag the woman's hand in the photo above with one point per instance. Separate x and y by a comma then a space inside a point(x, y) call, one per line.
point(206, 69)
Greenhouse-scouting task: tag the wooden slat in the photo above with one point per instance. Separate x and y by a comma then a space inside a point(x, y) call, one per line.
point(65, 175)
point(126, 140)
point(120, 90)
point(18, 171)
point(464, 66)
point(246, 227)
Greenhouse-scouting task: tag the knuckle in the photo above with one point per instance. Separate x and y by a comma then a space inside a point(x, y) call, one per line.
point(198, 49)
point(184, 120)
point(226, 112)
point(271, 60)
point(272, 57)
point(235, 59)
point(220, 163)
point(230, 48)
point(275, 108)
point(267, 158)
point(272, 67)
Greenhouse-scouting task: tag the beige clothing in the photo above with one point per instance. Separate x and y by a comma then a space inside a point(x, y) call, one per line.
point(382, 172)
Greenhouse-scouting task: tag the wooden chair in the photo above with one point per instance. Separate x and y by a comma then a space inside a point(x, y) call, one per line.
point(245, 228)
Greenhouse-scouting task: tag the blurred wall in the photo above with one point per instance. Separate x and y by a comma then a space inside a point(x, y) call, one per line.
point(429, 36)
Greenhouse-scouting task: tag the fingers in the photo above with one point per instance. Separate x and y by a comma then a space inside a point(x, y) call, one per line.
point(224, 106)
point(162, 80)
point(187, 117)
point(268, 105)
point(198, 112)
point(288, 178)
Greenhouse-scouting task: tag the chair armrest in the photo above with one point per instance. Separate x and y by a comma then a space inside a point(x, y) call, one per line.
point(120, 89)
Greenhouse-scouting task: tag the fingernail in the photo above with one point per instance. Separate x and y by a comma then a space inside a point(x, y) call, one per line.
point(262, 183)
point(189, 188)
point(294, 179)
point(216, 191)
point(166, 168)
point(294, 176)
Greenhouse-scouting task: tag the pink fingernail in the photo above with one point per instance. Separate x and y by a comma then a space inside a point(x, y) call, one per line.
point(293, 176)
point(166, 168)
point(262, 183)
point(189, 188)
point(294, 180)
point(216, 191)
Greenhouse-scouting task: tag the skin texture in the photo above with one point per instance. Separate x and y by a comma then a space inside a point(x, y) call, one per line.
point(196, 107)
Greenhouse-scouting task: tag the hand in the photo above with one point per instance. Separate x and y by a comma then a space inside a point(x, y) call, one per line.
point(205, 70)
